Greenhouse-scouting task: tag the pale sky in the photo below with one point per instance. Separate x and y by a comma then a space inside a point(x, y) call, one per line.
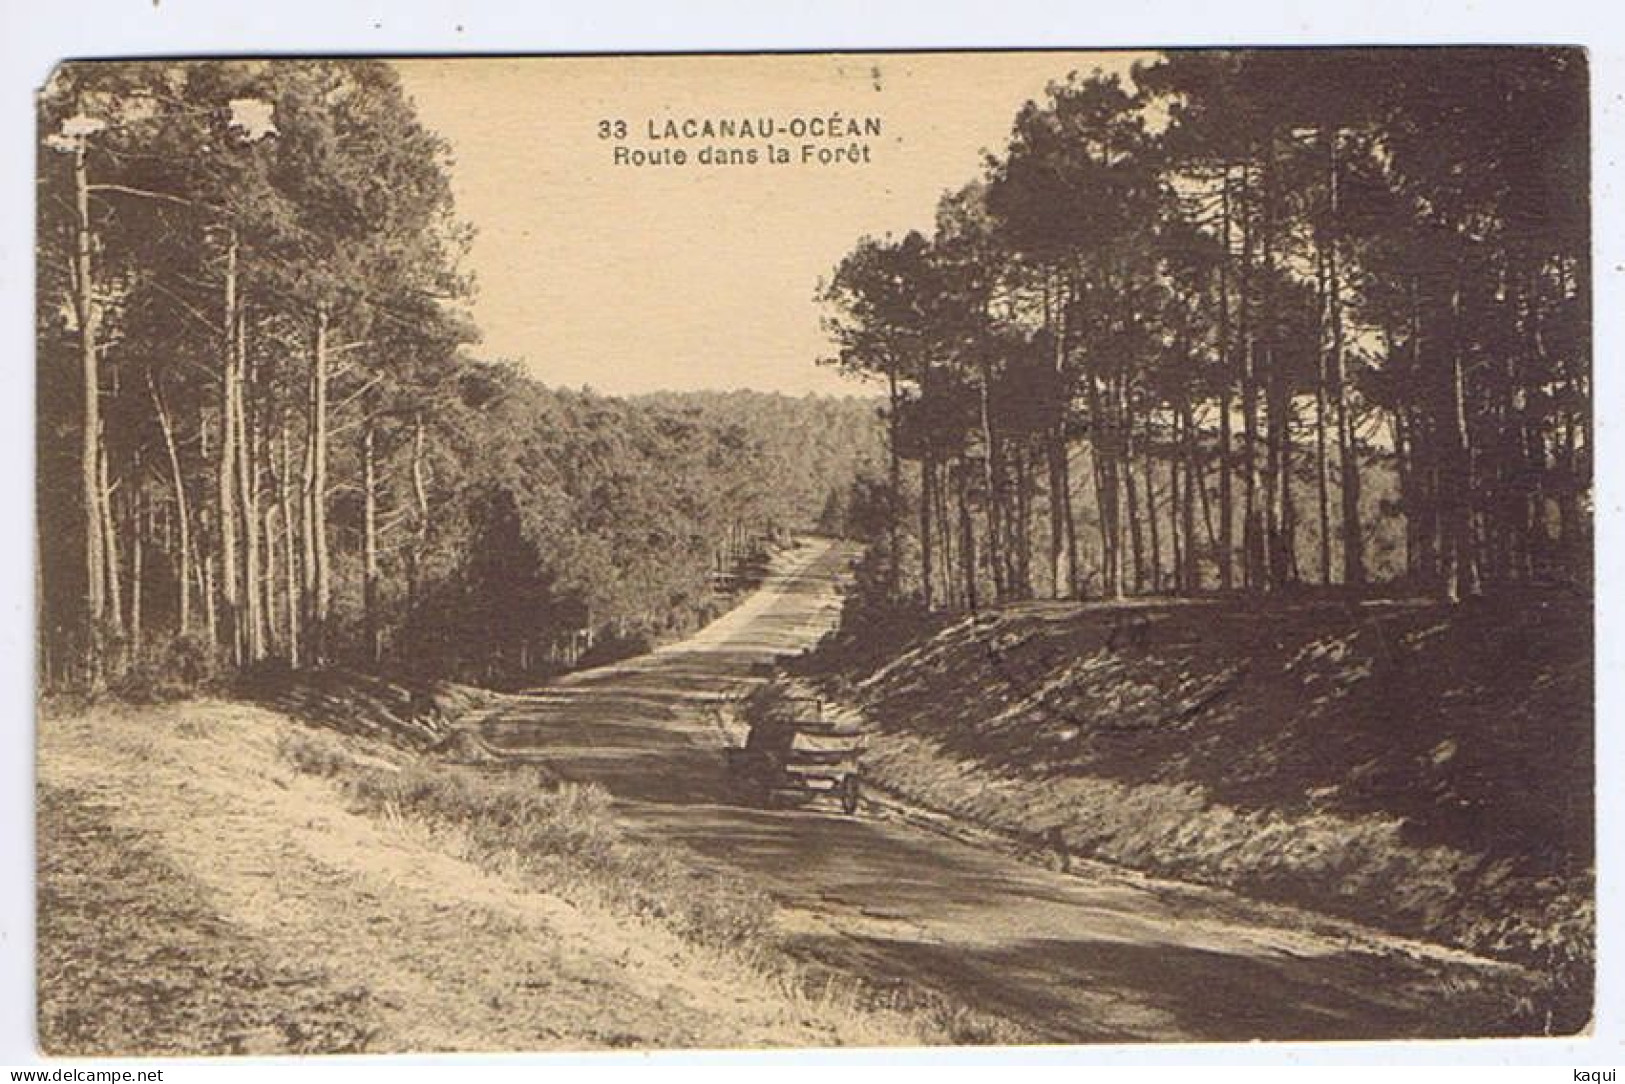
point(632, 278)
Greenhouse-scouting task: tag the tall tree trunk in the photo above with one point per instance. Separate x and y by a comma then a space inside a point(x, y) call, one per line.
point(1347, 455)
point(967, 536)
point(1058, 481)
point(1277, 468)
point(1069, 519)
point(270, 515)
point(1274, 555)
point(1575, 447)
point(1322, 467)
point(248, 497)
point(226, 464)
point(208, 564)
point(1177, 546)
point(992, 482)
point(942, 535)
point(369, 543)
point(1288, 544)
point(1461, 567)
point(1131, 492)
point(211, 609)
point(88, 316)
point(138, 531)
point(110, 570)
point(894, 518)
point(1097, 478)
point(1252, 528)
point(945, 535)
point(1405, 467)
point(420, 514)
point(290, 555)
point(1187, 509)
point(1516, 473)
point(1024, 518)
point(1009, 519)
point(1537, 461)
point(1148, 459)
point(1053, 454)
point(1103, 451)
point(307, 524)
point(927, 498)
point(1227, 369)
point(1281, 515)
point(316, 545)
point(183, 515)
point(271, 540)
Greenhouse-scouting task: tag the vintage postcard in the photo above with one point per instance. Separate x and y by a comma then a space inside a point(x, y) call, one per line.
point(715, 551)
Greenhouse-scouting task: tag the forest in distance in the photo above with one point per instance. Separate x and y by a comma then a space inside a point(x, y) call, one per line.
point(264, 434)
point(1250, 320)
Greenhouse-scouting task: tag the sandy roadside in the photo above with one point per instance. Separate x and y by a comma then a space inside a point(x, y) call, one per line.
point(448, 955)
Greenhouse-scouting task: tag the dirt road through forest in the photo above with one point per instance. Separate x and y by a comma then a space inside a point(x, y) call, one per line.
point(1097, 954)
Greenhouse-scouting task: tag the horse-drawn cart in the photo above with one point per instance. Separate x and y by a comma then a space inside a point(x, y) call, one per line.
point(797, 753)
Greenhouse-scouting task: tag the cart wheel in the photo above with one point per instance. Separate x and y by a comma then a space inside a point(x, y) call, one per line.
point(850, 793)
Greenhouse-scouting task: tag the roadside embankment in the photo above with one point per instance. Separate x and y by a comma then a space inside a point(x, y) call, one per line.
point(219, 877)
point(1426, 770)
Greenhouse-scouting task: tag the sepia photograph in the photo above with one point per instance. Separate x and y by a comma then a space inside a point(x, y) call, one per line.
point(800, 550)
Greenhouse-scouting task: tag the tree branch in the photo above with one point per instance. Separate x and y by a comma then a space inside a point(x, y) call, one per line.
point(142, 193)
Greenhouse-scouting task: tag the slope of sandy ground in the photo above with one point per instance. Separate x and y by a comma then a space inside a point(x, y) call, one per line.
point(185, 863)
point(1420, 768)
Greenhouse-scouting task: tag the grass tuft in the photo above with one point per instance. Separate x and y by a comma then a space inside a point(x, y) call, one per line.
point(563, 835)
point(314, 753)
point(566, 839)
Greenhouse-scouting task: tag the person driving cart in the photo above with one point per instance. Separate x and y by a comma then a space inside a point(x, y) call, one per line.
point(793, 754)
